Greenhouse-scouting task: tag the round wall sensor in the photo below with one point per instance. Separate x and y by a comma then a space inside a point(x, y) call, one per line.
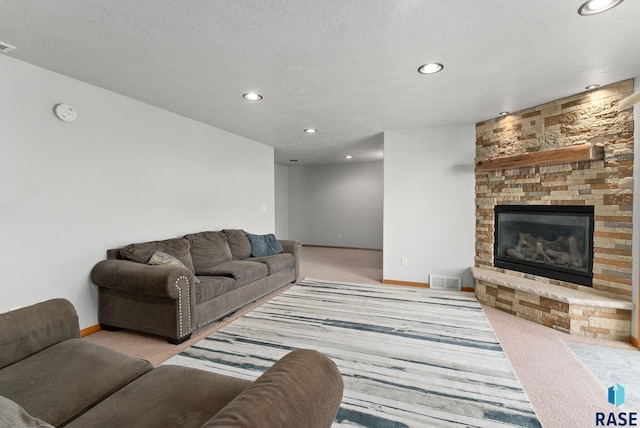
point(65, 112)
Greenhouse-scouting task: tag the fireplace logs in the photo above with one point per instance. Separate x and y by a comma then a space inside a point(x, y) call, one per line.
point(561, 252)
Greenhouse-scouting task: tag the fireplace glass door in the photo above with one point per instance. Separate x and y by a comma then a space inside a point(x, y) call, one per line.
point(551, 241)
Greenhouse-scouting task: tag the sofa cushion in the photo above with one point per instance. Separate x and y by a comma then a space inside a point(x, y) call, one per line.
point(277, 262)
point(142, 252)
point(208, 249)
point(213, 286)
point(65, 380)
point(25, 331)
point(168, 396)
point(239, 243)
point(12, 415)
point(242, 271)
point(264, 245)
point(160, 258)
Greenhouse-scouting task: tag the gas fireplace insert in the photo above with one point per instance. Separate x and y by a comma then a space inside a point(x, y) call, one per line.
point(554, 241)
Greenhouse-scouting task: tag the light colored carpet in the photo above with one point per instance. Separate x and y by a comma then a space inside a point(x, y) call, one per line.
point(410, 357)
point(561, 388)
point(341, 264)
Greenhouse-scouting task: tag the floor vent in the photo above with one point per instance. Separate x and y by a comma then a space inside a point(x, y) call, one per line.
point(5, 48)
point(444, 282)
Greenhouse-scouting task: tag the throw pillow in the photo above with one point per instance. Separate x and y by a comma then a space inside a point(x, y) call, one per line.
point(177, 247)
point(161, 258)
point(264, 245)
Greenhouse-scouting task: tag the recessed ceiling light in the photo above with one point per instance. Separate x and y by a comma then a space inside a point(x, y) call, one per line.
point(504, 113)
point(430, 68)
point(348, 157)
point(310, 130)
point(252, 96)
point(593, 7)
point(591, 87)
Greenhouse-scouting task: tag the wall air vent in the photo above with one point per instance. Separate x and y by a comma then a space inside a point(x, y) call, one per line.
point(6, 48)
point(444, 282)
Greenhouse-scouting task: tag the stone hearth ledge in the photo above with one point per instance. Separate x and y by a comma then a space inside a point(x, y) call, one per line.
point(554, 292)
point(571, 311)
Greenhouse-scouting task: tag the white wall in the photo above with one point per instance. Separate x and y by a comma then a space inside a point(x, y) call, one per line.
point(429, 203)
point(328, 200)
point(123, 172)
point(635, 244)
point(282, 201)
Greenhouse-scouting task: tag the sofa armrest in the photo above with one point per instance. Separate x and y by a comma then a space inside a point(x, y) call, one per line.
point(293, 247)
point(303, 389)
point(290, 246)
point(154, 280)
point(25, 331)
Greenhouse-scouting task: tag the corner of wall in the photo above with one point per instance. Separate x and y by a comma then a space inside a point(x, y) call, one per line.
point(636, 221)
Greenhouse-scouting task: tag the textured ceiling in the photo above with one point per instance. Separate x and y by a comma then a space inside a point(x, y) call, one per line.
point(346, 67)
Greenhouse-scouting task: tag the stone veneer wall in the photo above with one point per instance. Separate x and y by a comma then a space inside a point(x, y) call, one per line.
point(589, 117)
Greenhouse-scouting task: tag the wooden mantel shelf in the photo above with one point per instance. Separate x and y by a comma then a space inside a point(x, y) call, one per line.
point(578, 153)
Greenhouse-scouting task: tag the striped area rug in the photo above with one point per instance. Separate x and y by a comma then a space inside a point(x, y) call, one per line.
point(410, 357)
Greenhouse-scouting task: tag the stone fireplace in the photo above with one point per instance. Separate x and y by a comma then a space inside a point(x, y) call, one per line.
point(544, 157)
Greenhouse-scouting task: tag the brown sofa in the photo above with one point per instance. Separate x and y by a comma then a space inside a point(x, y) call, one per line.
point(49, 376)
point(219, 272)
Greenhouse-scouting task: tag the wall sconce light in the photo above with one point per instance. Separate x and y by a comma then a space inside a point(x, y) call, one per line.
point(628, 102)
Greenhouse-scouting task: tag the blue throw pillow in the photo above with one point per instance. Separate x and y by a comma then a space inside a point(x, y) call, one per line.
point(264, 245)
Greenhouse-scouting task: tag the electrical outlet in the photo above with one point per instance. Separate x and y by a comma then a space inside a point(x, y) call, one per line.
point(339, 235)
point(404, 261)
